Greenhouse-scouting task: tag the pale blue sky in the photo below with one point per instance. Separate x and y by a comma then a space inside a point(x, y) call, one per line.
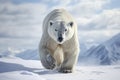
point(21, 20)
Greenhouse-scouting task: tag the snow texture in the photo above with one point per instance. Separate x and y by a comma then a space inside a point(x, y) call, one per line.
point(13, 68)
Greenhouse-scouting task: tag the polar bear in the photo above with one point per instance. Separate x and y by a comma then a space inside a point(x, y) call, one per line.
point(59, 46)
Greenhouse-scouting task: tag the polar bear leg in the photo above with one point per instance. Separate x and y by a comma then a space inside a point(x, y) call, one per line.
point(58, 56)
point(46, 59)
point(69, 63)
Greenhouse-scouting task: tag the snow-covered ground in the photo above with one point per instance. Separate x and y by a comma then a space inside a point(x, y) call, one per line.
point(13, 68)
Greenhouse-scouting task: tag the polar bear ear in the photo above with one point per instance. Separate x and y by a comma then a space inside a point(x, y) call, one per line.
point(71, 23)
point(51, 23)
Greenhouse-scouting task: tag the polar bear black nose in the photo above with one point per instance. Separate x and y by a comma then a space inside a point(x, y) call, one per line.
point(60, 39)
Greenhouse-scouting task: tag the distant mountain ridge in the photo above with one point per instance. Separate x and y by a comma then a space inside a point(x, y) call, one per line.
point(106, 53)
point(30, 54)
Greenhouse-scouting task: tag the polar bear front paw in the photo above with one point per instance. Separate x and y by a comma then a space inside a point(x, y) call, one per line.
point(50, 62)
point(66, 70)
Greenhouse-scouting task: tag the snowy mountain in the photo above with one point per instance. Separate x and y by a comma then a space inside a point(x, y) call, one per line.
point(10, 52)
point(106, 53)
point(30, 54)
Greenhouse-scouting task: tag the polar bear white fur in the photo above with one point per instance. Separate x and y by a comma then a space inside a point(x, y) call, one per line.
point(59, 46)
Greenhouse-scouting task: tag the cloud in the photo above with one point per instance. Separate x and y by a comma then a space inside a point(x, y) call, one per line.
point(23, 20)
point(87, 8)
point(26, 18)
point(20, 24)
point(107, 19)
point(96, 36)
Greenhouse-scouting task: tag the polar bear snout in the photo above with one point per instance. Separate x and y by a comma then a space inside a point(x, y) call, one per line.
point(60, 39)
point(60, 36)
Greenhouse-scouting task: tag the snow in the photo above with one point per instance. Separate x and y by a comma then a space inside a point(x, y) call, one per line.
point(20, 75)
point(13, 68)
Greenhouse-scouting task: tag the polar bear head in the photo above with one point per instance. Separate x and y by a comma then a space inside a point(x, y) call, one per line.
point(61, 31)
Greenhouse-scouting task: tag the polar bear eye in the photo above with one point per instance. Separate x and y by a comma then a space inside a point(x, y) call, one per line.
point(71, 24)
point(56, 30)
point(51, 23)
